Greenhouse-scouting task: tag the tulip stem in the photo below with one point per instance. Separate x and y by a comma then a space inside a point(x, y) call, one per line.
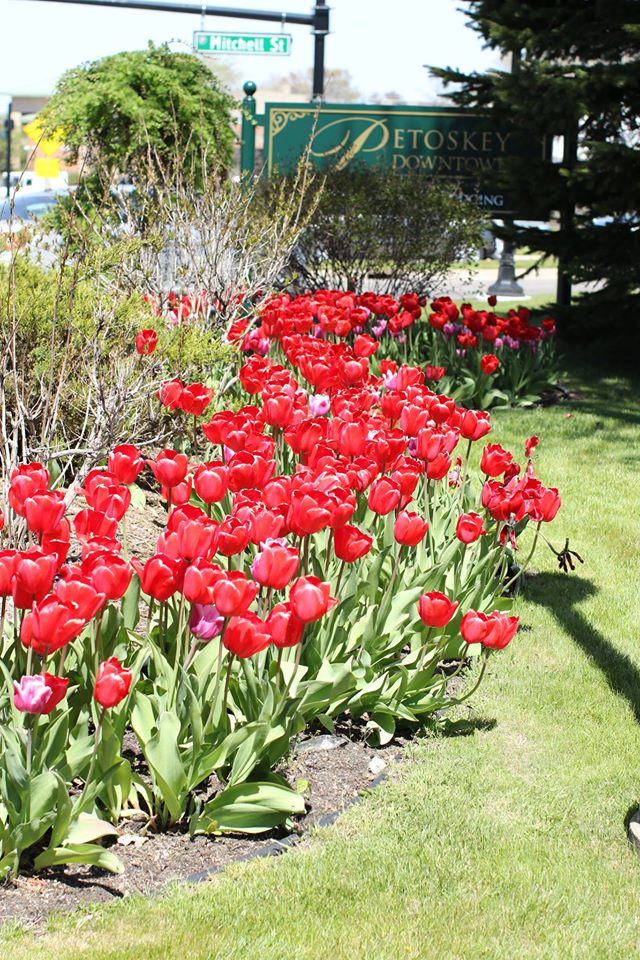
point(216, 684)
point(296, 664)
point(469, 693)
point(343, 565)
point(77, 807)
point(523, 568)
point(227, 678)
point(423, 649)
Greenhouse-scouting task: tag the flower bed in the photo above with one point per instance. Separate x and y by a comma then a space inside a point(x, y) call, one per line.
point(477, 356)
point(329, 555)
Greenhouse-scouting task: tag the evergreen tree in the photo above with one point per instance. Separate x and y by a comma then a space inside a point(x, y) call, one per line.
point(576, 75)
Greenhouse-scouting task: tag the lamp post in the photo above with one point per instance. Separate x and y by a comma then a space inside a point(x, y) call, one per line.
point(506, 284)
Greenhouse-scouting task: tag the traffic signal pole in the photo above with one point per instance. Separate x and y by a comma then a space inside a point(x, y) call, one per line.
point(318, 20)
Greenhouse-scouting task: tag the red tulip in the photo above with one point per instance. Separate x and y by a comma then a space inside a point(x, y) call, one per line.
point(233, 536)
point(494, 630)
point(384, 495)
point(278, 410)
point(50, 625)
point(233, 594)
point(8, 560)
point(196, 398)
point(350, 543)
point(470, 527)
point(309, 511)
point(409, 528)
point(170, 394)
point(546, 506)
point(93, 523)
point(246, 635)
point(275, 564)
point(200, 578)
point(33, 575)
point(109, 573)
point(210, 481)
point(26, 480)
point(113, 683)
point(197, 538)
point(58, 687)
point(474, 424)
point(285, 628)
point(125, 463)
point(310, 598)
point(489, 363)
point(146, 342)
point(80, 594)
point(44, 511)
point(495, 460)
point(160, 577)
point(169, 467)
point(435, 609)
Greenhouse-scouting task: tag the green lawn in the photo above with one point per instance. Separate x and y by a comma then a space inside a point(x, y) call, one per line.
point(508, 843)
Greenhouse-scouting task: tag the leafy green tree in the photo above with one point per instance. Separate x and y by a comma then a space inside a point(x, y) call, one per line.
point(118, 112)
point(576, 75)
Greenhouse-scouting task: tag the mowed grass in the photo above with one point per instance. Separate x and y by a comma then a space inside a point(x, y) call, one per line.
point(506, 843)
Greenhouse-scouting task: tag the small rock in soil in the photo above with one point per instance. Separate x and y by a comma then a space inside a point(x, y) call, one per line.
point(376, 766)
point(324, 742)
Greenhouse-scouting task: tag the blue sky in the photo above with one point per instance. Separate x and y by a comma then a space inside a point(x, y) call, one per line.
point(383, 43)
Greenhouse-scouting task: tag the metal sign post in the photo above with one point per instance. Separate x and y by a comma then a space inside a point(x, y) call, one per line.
point(318, 21)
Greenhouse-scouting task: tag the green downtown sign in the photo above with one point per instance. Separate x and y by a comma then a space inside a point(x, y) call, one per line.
point(263, 44)
point(439, 141)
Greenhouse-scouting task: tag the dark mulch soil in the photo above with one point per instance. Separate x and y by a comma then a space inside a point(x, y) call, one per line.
point(334, 776)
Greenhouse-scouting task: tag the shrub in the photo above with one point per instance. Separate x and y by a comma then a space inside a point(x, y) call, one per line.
point(404, 230)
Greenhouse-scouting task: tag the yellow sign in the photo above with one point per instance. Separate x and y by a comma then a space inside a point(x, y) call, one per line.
point(48, 145)
point(47, 167)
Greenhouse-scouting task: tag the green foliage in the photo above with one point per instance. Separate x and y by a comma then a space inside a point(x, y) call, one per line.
point(406, 230)
point(132, 106)
point(576, 76)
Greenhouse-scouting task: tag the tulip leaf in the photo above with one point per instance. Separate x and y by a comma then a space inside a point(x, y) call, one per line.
point(249, 808)
point(88, 853)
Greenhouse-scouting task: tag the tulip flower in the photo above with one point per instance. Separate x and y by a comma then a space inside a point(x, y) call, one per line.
point(233, 536)
point(275, 564)
point(50, 625)
point(146, 342)
point(125, 463)
point(8, 559)
point(44, 511)
point(233, 594)
point(160, 577)
point(32, 578)
point(200, 578)
point(94, 523)
point(31, 694)
point(109, 573)
point(350, 543)
point(436, 609)
point(546, 506)
point(310, 598)
point(493, 630)
point(195, 399)
point(246, 635)
point(169, 467)
point(113, 683)
point(26, 480)
point(205, 621)
point(409, 528)
point(470, 527)
point(285, 627)
point(495, 460)
point(384, 495)
point(170, 394)
point(210, 481)
point(489, 364)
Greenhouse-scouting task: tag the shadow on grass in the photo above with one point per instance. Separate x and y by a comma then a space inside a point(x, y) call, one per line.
point(560, 594)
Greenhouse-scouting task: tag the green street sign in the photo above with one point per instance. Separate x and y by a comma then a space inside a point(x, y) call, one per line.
point(443, 142)
point(260, 44)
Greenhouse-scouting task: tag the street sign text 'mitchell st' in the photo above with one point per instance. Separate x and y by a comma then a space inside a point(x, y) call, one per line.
point(260, 44)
